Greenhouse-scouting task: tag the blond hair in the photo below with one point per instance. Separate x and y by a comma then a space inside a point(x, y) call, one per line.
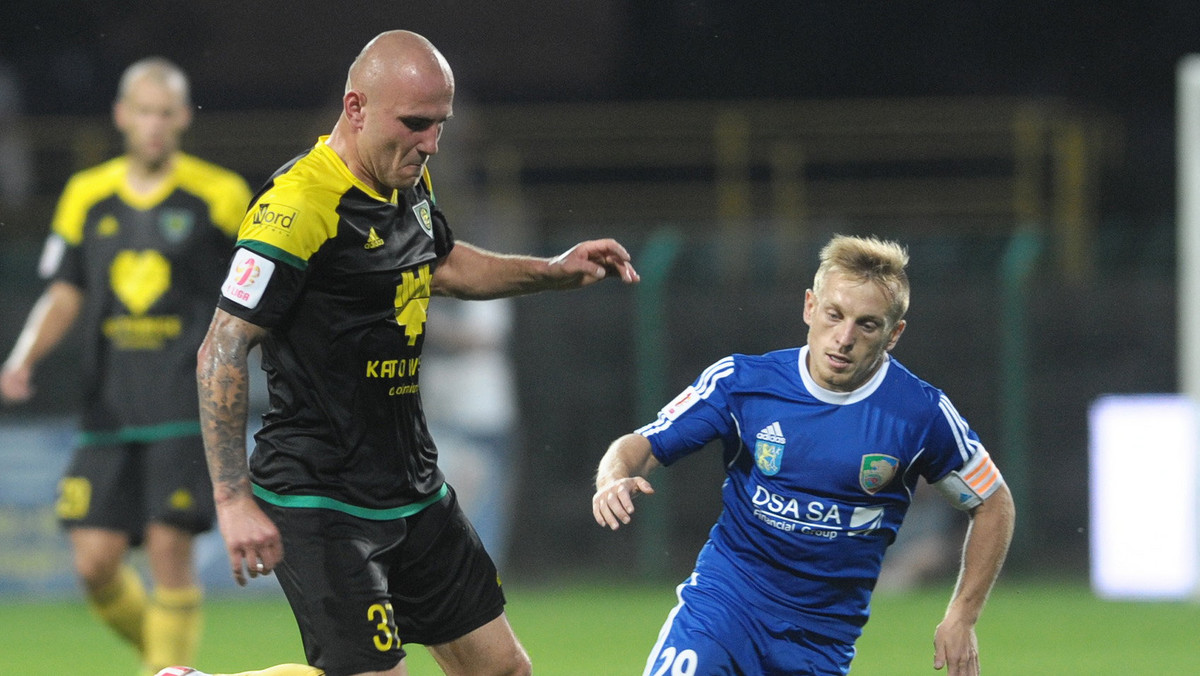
point(159, 70)
point(869, 259)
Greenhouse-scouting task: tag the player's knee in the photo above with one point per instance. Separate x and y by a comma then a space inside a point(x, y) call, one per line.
point(521, 666)
point(96, 572)
point(518, 664)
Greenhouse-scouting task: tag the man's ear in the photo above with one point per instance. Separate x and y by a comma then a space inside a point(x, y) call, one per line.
point(119, 116)
point(810, 305)
point(353, 103)
point(896, 331)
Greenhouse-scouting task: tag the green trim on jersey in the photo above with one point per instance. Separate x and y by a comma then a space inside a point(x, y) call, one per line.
point(274, 252)
point(322, 502)
point(143, 434)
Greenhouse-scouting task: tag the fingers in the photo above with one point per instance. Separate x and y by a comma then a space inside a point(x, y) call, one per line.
point(250, 564)
point(612, 506)
point(597, 259)
point(15, 387)
point(254, 559)
point(966, 664)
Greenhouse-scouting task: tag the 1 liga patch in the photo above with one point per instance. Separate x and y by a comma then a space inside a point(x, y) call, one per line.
point(248, 277)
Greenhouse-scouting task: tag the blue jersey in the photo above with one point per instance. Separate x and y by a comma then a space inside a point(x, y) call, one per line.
point(818, 481)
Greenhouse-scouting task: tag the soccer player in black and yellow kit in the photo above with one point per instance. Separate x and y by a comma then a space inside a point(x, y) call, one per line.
point(136, 246)
point(336, 264)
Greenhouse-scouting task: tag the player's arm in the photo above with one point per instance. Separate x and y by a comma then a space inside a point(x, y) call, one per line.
point(984, 550)
point(49, 320)
point(620, 476)
point(473, 273)
point(223, 382)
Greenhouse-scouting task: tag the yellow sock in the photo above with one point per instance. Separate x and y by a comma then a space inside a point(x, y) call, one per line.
point(172, 630)
point(282, 670)
point(122, 605)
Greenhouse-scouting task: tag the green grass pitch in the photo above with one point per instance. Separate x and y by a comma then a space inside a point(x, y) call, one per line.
point(606, 630)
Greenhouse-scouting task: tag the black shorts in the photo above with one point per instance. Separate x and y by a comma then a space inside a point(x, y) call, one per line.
point(362, 589)
point(125, 486)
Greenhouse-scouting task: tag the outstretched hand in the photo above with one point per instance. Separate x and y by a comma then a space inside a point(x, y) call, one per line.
point(612, 505)
point(591, 261)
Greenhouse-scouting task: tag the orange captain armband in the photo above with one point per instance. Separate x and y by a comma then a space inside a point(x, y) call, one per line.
point(968, 487)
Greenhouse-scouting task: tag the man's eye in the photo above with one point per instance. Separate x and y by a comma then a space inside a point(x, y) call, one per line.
point(417, 124)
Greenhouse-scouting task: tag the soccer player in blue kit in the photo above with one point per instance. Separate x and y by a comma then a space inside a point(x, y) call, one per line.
point(823, 446)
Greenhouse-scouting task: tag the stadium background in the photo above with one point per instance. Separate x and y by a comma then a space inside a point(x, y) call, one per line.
point(1024, 153)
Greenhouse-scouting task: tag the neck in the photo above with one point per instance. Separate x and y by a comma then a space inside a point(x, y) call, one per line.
point(341, 141)
point(144, 177)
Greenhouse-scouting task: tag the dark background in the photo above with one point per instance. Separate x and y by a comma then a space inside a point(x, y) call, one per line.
point(1112, 333)
point(1117, 56)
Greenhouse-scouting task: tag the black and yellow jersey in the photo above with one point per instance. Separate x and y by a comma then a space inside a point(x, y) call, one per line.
point(341, 276)
point(148, 265)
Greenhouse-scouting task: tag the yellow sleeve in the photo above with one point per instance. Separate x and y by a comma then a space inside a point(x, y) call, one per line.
point(290, 220)
point(81, 193)
point(226, 193)
point(230, 203)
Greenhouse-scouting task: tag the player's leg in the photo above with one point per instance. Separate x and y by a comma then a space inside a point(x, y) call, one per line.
point(336, 585)
point(447, 596)
point(278, 670)
point(98, 505)
point(491, 650)
point(173, 616)
point(114, 589)
point(178, 505)
point(702, 636)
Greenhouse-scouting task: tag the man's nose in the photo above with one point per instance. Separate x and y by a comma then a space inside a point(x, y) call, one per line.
point(845, 335)
point(428, 143)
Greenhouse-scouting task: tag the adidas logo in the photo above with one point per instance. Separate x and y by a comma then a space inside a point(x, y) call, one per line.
point(772, 433)
point(374, 241)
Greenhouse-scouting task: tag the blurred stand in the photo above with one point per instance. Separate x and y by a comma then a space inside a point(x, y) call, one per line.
point(16, 165)
point(924, 552)
point(468, 387)
point(468, 378)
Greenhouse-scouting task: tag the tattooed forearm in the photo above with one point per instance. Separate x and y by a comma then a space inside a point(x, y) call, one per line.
point(223, 380)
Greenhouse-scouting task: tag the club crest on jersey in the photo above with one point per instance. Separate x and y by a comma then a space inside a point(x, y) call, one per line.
point(424, 216)
point(108, 226)
point(768, 449)
point(877, 470)
point(176, 224)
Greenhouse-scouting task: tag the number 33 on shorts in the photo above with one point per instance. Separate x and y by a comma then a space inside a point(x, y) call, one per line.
point(387, 638)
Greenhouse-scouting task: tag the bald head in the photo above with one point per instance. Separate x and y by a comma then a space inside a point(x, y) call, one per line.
point(396, 57)
point(399, 93)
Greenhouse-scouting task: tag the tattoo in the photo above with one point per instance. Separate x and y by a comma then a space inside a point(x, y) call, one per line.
point(223, 380)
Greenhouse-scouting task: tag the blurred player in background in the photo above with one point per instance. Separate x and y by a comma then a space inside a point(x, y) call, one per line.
point(336, 264)
point(136, 246)
point(823, 447)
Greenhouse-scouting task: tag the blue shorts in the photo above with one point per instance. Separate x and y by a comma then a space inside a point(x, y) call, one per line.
point(713, 633)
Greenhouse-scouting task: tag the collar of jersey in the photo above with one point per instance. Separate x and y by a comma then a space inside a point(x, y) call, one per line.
point(149, 200)
point(336, 160)
point(841, 398)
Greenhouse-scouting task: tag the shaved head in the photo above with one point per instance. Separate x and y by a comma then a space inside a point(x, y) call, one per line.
point(399, 94)
point(397, 56)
